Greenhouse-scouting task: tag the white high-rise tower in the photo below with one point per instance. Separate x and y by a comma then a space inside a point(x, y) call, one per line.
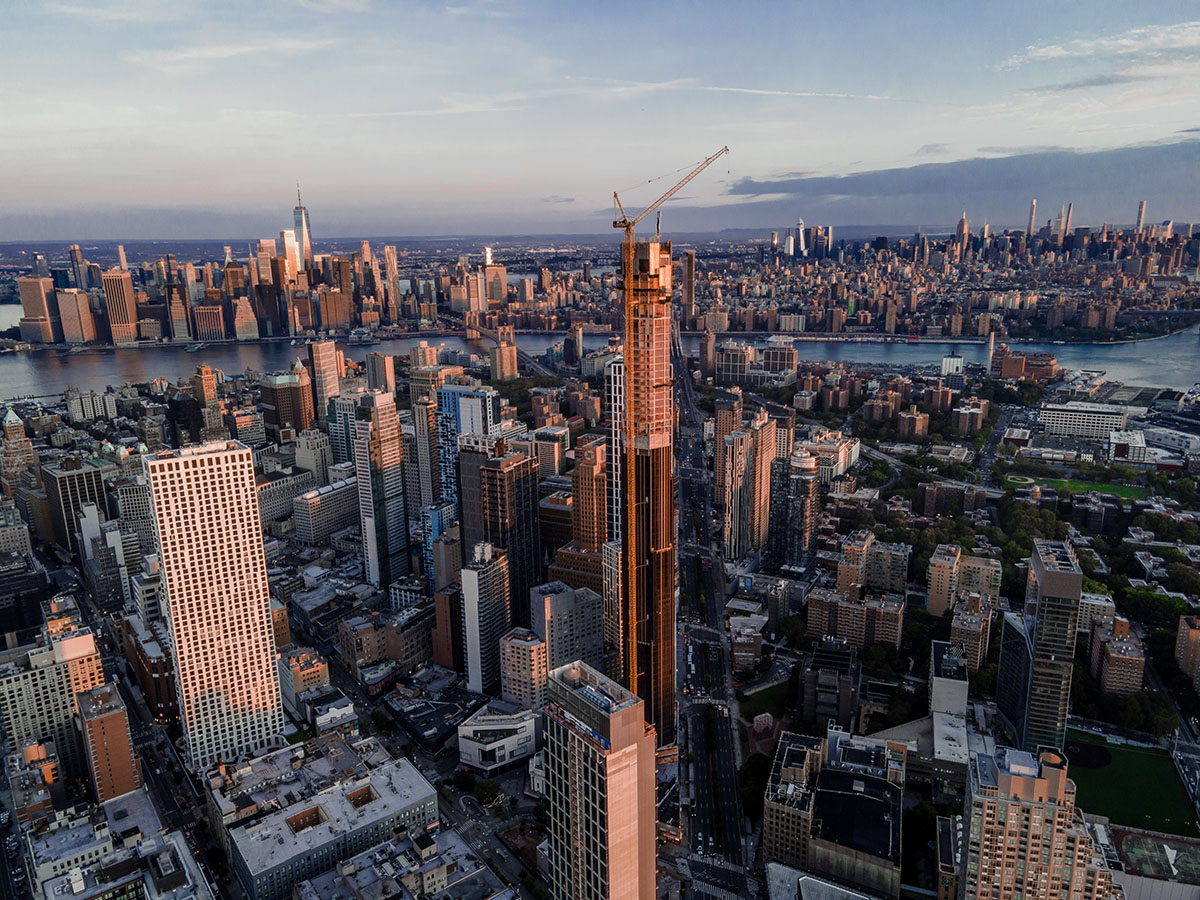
point(215, 592)
point(303, 236)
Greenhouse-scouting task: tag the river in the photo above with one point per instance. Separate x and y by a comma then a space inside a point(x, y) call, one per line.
point(1170, 362)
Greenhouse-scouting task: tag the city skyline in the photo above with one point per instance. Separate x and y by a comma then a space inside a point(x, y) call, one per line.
point(995, 100)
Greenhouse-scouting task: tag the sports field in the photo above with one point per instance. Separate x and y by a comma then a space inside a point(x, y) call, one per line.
point(1159, 856)
point(1134, 786)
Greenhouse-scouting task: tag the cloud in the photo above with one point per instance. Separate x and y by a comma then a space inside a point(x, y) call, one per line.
point(1188, 130)
point(1148, 40)
point(1104, 79)
point(489, 8)
point(932, 150)
point(1104, 184)
point(1023, 149)
point(821, 95)
point(458, 104)
point(335, 6)
point(454, 108)
point(138, 11)
point(178, 60)
point(558, 198)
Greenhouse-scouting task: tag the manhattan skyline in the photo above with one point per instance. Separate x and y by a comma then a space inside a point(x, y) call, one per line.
point(171, 122)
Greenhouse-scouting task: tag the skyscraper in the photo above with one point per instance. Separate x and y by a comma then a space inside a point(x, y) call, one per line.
point(121, 305)
point(487, 615)
point(614, 405)
point(1141, 218)
point(794, 488)
point(599, 788)
point(1027, 837)
point(75, 312)
point(689, 286)
point(323, 361)
point(735, 496)
point(1032, 215)
point(39, 305)
point(379, 465)
point(1037, 649)
point(728, 419)
point(508, 510)
point(464, 406)
point(589, 523)
point(1056, 583)
point(287, 400)
point(649, 471)
point(381, 376)
point(303, 235)
point(758, 473)
point(214, 584)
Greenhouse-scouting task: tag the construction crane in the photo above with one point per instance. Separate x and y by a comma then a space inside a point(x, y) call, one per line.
point(629, 224)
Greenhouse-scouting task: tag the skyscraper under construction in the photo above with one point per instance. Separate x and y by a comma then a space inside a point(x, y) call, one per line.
point(648, 651)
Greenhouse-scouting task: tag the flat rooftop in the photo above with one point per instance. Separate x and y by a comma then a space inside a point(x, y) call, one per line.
point(600, 691)
point(346, 806)
point(858, 811)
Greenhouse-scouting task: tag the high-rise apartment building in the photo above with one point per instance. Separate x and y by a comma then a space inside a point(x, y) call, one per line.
point(952, 575)
point(524, 669)
point(71, 483)
point(869, 563)
point(323, 361)
point(214, 584)
point(614, 406)
point(1037, 650)
point(104, 722)
point(1187, 646)
point(465, 406)
point(486, 615)
point(39, 685)
point(379, 467)
point(1027, 838)
point(689, 286)
point(649, 472)
point(425, 441)
point(795, 488)
point(381, 375)
point(314, 453)
point(599, 788)
point(571, 622)
point(287, 400)
point(1055, 583)
point(589, 522)
point(758, 476)
point(735, 494)
point(861, 621)
point(728, 419)
point(508, 512)
point(580, 563)
point(121, 304)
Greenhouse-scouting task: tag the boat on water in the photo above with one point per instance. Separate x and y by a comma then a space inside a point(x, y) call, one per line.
point(194, 347)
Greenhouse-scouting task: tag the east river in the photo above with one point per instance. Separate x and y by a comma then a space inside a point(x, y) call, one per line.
point(1170, 362)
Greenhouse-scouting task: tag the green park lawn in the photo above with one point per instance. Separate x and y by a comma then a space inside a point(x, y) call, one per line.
point(1139, 788)
point(1128, 491)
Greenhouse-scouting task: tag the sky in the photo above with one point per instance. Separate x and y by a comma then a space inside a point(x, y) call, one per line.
point(168, 118)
